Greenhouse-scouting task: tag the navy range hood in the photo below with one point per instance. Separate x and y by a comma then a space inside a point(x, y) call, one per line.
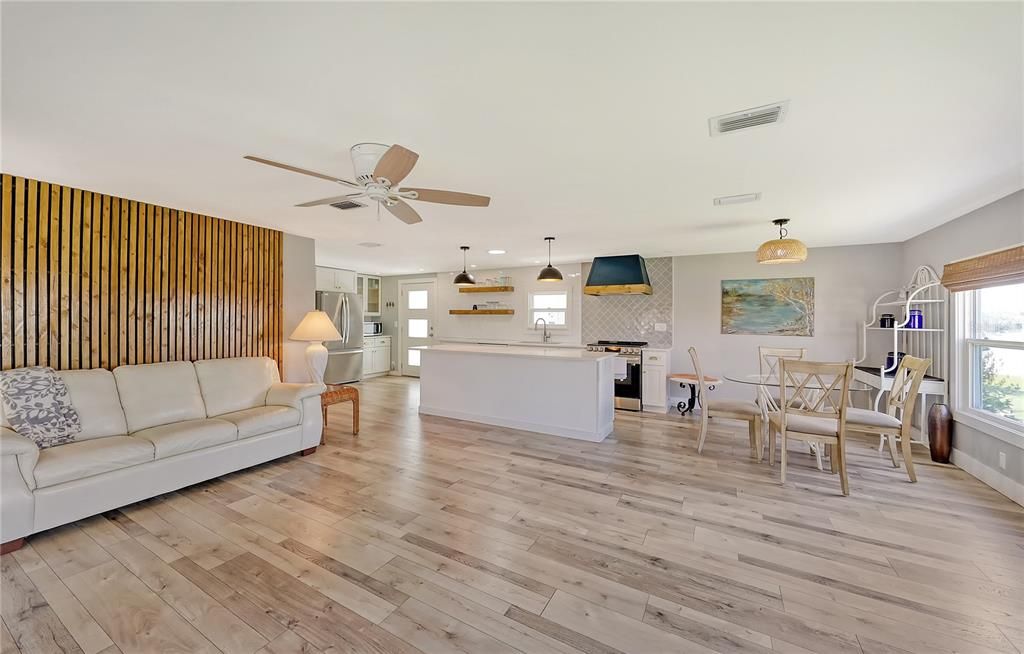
point(621, 275)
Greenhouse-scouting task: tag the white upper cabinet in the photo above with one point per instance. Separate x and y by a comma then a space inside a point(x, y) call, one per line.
point(368, 287)
point(335, 279)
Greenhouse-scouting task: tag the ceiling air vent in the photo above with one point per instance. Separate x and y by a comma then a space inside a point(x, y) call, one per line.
point(344, 205)
point(740, 120)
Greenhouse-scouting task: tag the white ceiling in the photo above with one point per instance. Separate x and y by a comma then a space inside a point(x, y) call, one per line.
point(587, 122)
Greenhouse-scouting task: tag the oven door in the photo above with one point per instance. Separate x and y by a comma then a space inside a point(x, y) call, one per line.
point(627, 390)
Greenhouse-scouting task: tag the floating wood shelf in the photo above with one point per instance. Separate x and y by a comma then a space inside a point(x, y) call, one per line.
point(487, 289)
point(481, 312)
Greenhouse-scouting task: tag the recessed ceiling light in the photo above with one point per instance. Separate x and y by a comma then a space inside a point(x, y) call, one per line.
point(369, 244)
point(472, 265)
point(495, 252)
point(737, 199)
point(536, 261)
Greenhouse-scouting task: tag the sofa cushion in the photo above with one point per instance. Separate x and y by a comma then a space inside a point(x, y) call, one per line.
point(81, 459)
point(262, 419)
point(158, 394)
point(235, 384)
point(94, 396)
point(181, 437)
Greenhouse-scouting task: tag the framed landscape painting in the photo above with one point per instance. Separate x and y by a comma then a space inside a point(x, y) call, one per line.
point(777, 307)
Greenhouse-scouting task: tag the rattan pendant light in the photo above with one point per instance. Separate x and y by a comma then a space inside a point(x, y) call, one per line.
point(782, 249)
point(464, 278)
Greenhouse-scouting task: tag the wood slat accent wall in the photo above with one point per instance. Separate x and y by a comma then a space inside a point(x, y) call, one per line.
point(95, 281)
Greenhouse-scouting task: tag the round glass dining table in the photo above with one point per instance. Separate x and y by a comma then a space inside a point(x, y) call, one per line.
point(772, 381)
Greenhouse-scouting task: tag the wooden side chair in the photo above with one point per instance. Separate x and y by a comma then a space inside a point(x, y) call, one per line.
point(734, 409)
point(902, 397)
point(812, 408)
point(768, 359)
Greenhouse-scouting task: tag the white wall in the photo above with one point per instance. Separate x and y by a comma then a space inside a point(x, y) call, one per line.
point(299, 298)
point(484, 328)
point(846, 281)
point(994, 226)
point(516, 327)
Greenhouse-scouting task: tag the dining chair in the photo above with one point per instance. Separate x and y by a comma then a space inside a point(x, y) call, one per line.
point(902, 397)
point(733, 409)
point(768, 359)
point(812, 408)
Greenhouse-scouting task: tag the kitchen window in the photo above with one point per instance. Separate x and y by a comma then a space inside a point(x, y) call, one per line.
point(990, 360)
point(552, 306)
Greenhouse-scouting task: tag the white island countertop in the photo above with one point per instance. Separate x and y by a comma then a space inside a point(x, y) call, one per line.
point(530, 351)
point(444, 340)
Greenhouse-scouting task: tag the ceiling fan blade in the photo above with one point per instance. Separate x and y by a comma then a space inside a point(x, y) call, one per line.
point(395, 164)
point(404, 212)
point(331, 200)
point(449, 197)
point(301, 171)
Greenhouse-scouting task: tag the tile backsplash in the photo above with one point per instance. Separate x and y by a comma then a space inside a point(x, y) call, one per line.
point(632, 317)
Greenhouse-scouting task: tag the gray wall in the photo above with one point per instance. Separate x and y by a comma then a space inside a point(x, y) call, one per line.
point(846, 281)
point(994, 226)
point(299, 298)
point(632, 317)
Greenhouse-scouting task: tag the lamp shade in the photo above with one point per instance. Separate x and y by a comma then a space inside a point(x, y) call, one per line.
point(549, 274)
point(316, 326)
point(464, 279)
point(782, 250)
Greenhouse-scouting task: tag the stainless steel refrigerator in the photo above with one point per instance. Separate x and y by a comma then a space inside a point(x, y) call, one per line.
point(344, 357)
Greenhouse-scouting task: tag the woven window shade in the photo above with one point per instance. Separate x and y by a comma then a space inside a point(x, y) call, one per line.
point(985, 270)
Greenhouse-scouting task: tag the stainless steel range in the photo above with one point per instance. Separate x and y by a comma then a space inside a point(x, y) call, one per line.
point(629, 372)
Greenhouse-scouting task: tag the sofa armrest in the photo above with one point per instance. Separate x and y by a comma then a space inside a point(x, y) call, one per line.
point(293, 394)
point(27, 452)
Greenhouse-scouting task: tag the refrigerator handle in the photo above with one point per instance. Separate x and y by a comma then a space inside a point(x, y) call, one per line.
point(344, 319)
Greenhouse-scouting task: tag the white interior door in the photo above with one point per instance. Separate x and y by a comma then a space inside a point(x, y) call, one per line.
point(416, 322)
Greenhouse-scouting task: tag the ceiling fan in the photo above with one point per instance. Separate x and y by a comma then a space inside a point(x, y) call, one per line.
point(379, 169)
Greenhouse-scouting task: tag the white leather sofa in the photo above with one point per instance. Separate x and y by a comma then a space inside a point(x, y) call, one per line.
point(150, 429)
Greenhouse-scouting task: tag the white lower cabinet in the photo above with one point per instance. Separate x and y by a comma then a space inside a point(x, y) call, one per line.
point(655, 378)
point(376, 355)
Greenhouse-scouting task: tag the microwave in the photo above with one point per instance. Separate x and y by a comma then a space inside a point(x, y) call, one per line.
point(373, 328)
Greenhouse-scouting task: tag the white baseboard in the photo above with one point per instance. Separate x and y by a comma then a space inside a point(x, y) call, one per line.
point(521, 424)
point(991, 477)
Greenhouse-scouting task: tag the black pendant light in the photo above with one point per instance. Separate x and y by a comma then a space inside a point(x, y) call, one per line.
point(464, 278)
point(549, 273)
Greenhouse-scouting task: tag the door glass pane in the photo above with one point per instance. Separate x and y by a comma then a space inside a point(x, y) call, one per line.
point(414, 357)
point(418, 328)
point(418, 299)
point(550, 301)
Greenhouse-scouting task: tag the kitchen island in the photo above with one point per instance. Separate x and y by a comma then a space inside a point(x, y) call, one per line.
point(552, 390)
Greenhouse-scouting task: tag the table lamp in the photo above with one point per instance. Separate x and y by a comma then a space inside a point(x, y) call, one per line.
point(316, 327)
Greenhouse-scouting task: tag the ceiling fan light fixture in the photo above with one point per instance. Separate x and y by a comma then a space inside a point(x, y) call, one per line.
point(464, 278)
point(549, 273)
point(782, 249)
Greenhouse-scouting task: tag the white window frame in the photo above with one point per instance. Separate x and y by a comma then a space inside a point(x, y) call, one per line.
point(965, 383)
point(551, 291)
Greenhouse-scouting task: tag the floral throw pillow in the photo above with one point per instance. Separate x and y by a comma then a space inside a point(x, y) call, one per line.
point(38, 406)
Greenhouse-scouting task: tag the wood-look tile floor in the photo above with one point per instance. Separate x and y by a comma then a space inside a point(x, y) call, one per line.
point(434, 535)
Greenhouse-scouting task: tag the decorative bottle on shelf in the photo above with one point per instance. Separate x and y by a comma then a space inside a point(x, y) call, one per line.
point(940, 432)
point(916, 319)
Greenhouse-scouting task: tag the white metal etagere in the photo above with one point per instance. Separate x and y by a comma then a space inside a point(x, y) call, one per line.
point(926, 293)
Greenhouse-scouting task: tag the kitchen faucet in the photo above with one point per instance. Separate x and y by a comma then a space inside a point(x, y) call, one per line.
point(547, 336)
